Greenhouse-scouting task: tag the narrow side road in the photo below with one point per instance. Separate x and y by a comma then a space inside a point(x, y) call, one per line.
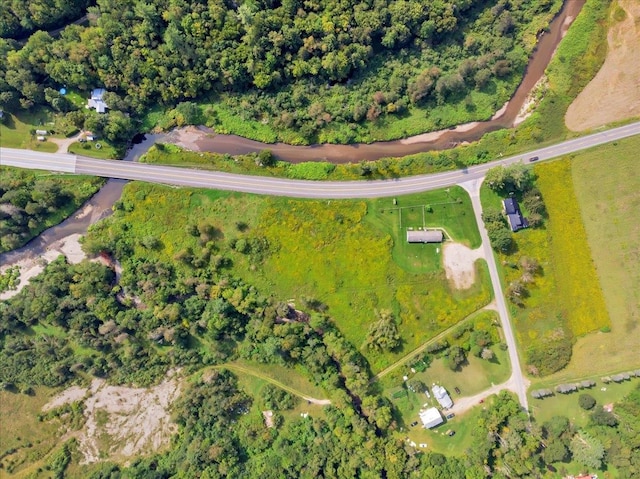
point(517, 381)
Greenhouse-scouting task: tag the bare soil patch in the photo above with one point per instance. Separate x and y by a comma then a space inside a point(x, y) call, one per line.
point(614, 93)
point(122, 422)
point(459, 264)
point(31, 267)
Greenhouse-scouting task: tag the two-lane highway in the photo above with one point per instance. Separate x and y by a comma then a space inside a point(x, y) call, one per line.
point(286, 187)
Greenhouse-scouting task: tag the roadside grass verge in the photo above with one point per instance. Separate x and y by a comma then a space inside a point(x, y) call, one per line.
point(105, 152)
point(327, 251)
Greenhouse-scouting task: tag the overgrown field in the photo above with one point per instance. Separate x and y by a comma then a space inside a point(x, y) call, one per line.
point(577, 286)
point(606, 185)
point(562, 298)
point(338, 253)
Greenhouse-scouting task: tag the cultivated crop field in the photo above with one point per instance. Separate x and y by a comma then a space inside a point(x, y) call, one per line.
point(339, 253)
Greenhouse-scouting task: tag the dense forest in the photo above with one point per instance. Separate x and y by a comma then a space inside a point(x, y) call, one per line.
point(292, 64)
point(30, 203)
point(21, 18)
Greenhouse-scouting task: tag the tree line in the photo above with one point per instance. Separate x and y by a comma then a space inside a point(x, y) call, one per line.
point(277, 61)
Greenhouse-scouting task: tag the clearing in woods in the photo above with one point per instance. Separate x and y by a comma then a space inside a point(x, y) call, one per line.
point(614, 93)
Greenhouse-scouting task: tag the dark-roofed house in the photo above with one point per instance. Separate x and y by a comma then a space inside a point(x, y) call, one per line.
point(96, 100)
point(566, 388)
point(424, 236)
point(588, 383)
point(618, 378)
point(514, 215)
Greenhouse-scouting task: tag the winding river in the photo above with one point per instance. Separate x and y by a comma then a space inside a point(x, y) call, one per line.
point(97, 207)
point(100, 205)
point(505, 118)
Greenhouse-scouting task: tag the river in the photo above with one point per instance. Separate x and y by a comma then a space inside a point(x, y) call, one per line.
point(101, 204)
point(505, 118)
point(97, 207)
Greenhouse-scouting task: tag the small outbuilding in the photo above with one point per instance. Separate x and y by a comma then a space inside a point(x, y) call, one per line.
point(424, 236)
point(96, 101)
point(541, 393)
point(431, 418)
point(587, 383)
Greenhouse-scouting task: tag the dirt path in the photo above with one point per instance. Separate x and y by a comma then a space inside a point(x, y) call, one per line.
point(64, 143)
point(420, 349)
point(275, 382)
point(614, 93)
point(463, 404)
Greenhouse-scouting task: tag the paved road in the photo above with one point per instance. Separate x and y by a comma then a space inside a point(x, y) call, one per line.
point(285, 187)
point(517, 381)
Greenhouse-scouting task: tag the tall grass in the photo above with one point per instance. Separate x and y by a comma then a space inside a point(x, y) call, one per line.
point(578, 288)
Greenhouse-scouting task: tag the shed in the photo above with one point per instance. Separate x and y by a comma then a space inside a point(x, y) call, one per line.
point(431, 417)
point(424, 236)
point(42, 132)
point(587, 383)
point(96, 101)
point(41, 138)
point(541, 393)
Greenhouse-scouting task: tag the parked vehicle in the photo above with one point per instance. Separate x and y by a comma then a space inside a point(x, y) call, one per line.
point(451, 416)
point(457, 390)
point(414, 423)
point(534, 158)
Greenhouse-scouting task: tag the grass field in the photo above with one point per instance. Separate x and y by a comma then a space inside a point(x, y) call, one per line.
point(295, 381)
point(106, 151)
point(15, 130)
point(606, 183)
point(567, 404)
point(330, 251)
point(21, 430)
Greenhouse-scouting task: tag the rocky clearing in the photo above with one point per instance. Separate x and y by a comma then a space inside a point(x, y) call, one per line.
point(614, 93)
point(31, 267)
point(122, 422)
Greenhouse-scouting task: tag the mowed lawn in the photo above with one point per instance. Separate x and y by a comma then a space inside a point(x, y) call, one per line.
point(607, 185)
point(331, 251)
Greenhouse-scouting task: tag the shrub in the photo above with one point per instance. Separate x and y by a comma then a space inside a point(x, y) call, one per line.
point(586, 401)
